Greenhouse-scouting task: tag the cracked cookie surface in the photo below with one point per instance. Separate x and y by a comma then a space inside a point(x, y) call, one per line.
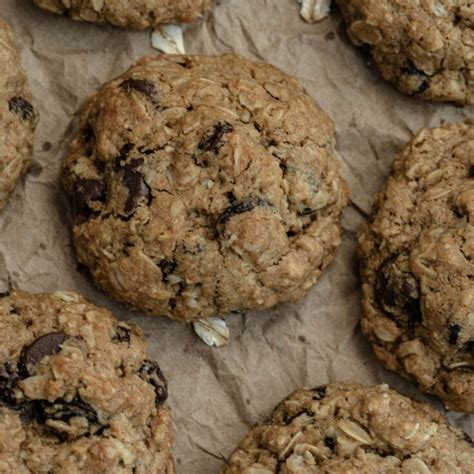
point(425, 47)
point(349, 428)
point(136, 14)
point(204, 185)
point(17, 117)
point(418, 269)
point(77, 391)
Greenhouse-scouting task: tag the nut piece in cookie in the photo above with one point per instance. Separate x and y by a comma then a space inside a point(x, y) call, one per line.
point(135, 14)
point(424, 48)
point(417, 266)
point(18, 117)
point(77, 390)
point(204, 185)
point(346, 427)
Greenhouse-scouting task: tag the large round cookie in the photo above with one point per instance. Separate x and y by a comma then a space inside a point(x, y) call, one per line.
point(347, 428)
point(137, 14)
point(418, 266)
point(204, 185)
point(77, 391)
point(17, 117)
point(424, 47)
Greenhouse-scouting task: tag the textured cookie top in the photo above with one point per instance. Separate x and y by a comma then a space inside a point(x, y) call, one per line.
point(204, 185)
point(418, 267)
point(425, 47)
point(344, 427)
point(17, 117)
point(137, 14)
point(77, 392)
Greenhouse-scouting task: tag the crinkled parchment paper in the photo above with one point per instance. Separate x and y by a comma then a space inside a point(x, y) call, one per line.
point(218, 394)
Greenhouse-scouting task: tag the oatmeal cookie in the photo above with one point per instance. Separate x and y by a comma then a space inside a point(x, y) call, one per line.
point(135, 14)
point(204, 185)
point(17, 117)
point(78, 393)
point(418, 265)
point(347, 428)
point(425, 48)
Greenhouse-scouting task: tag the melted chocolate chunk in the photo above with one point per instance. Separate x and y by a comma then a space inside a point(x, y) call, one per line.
point(143, 86)
point(87, 191)
point(167, 268)
point(61, 410)
point(151, 373)
point(122, 334)
point(46, 345)
point(21, 107)
point(454, 330)
point(214, 141)
point(137, 187)
point(319, 392)
point(239, 207)
point(398, 292)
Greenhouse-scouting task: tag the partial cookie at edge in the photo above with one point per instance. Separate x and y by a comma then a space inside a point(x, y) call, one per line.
point(346, 427)
point(418, 268)
point(17, 117)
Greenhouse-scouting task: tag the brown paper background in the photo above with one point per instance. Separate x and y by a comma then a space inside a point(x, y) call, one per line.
point(218, 394)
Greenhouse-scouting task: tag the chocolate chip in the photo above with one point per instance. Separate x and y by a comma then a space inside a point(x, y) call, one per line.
point(306, 211)
point(454, 330)
point(137, 187)
point(330, 442)
point(46, 345)
point(143, 86)
point(8, 381)
point(21, 107)
point(214, 141)
point(122, 334)
point(319, 392)
point(87, 191)
point(398, 292)
point(151, 373)
point(468, 439)
point(239, 207)
point(167, 268)
point(411, 70)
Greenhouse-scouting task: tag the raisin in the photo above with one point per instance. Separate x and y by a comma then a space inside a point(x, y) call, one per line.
point(46, 345)
point(330, 442)
point(239, 207)
point(319, 392)
point(398, 292)
point(87, 191)
point(21, 107)
point(214, 142)
point(122, 334)
point(167, 268)
point(150, 372)
point(143, 86)
point(454, 330)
